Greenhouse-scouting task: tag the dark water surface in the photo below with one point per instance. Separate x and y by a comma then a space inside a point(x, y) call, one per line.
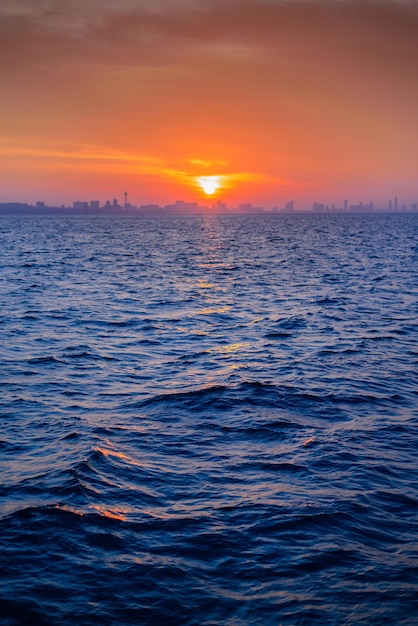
point(209, 420)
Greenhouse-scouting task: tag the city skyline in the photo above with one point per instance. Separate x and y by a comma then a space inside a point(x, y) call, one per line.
point(393, 205)
point(261, 99)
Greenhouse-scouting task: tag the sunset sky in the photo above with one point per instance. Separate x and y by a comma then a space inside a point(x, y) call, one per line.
point(281, 100)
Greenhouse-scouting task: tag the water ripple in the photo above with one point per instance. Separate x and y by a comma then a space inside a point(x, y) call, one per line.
point(209, 420)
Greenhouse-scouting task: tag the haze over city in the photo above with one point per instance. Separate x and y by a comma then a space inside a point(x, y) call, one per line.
point(252, 101)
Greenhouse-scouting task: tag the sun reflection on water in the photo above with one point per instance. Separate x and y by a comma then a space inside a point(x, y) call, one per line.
point(233, 348)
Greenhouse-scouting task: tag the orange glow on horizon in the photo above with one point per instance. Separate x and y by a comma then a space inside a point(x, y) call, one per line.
point(233, 105)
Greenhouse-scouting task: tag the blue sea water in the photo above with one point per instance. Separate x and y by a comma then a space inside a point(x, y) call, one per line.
point(209, 420)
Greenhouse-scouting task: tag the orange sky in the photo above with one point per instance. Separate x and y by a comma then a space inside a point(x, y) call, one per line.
point(300, 100)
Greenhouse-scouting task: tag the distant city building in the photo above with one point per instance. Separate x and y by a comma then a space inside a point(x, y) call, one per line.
point(289, 207)
point(361, 208)
point(150, 208)
point(247, 207)
point(180, 206)
point(15, 207)
point(80, 206)
point(95, 205)
point(221, 206)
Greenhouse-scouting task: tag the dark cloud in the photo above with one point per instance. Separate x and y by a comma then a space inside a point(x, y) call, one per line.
point(51, 31)
point(351, 49)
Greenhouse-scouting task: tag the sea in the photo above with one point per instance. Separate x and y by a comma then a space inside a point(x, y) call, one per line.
point(209, 420)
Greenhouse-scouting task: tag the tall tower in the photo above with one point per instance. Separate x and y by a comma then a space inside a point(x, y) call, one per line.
point(396, 203)
point(126, 200)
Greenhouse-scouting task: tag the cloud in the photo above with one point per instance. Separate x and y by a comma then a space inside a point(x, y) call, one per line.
point(134, 45)
point(79, 153)
point(141, 32)
point(100, 159)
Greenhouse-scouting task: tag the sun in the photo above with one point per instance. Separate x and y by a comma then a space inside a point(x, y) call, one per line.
point(209, 184)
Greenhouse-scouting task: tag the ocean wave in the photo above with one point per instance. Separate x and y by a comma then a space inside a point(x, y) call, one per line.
point(217, 430)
